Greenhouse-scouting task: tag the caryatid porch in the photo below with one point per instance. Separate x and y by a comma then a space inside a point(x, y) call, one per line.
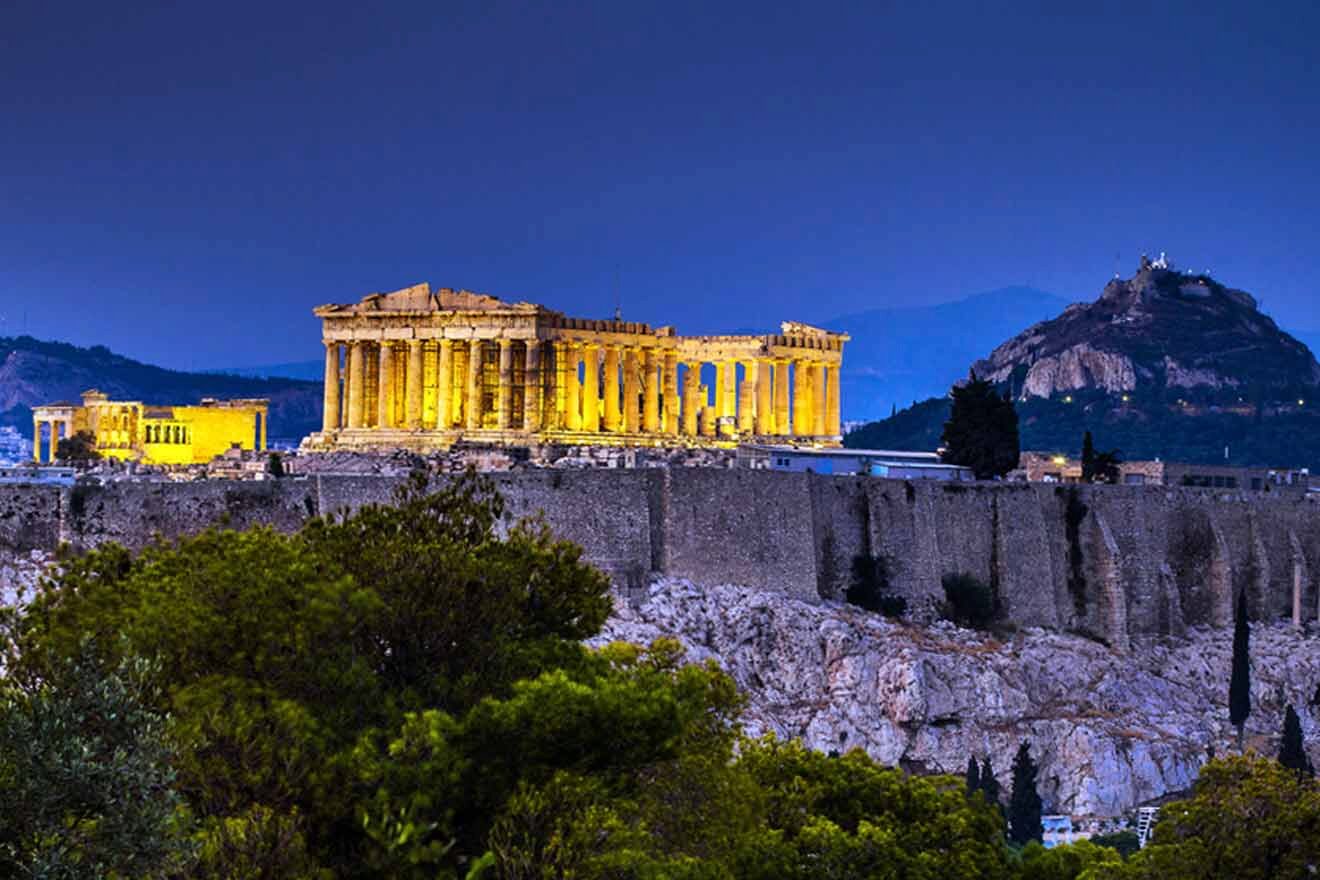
point(421, 369)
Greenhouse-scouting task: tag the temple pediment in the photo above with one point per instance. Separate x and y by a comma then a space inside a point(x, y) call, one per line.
point(420, 298)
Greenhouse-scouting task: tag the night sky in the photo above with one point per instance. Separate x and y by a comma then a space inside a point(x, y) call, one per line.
point(183, 182)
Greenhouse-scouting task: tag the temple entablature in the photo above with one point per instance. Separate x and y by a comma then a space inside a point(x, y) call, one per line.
point(422, 368)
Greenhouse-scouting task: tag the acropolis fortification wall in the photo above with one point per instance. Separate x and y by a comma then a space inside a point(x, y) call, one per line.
point(1117, 562)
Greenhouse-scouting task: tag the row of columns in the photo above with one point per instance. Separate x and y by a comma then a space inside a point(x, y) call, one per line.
point(637, 390)
point(55, 436)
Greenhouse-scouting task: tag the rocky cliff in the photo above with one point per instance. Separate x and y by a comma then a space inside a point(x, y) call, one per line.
point(1160, 329)
point(1109, 731)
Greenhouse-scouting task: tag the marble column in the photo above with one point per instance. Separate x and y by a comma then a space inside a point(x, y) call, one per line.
point(385, 388)
point(473, 404)
point(371, 389)
point(691, 381)
point(613, 415)
point(572, 388)
point(833, 423)
point(764, 423)
point(504, 390)
point(650, 393)
point(552, 373)
point(444, 380)
point(55, 440)
point(36, 439)
point(591, 388)
point(631, 406)
point(783, 419)
point(263, 417)
point(330, 411)
point(413, 379)
point(670, 390)
point(356, 385)
point(818, 401)
point(722, 379)
point(747, 399)
point(532, 387)
point(801, 398)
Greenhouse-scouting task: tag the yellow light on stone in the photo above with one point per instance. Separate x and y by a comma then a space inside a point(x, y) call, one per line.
point(1059, 459)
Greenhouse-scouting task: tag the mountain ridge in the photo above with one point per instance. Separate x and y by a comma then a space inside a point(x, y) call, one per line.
point(35, 372)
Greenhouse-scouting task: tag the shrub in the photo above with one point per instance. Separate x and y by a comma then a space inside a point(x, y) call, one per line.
point(968, 602)
point(869, 587)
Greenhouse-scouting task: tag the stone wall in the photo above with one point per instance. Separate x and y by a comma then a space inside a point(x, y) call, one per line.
point(1115, 562)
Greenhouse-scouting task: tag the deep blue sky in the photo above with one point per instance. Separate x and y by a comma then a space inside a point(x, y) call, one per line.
point(184, 181)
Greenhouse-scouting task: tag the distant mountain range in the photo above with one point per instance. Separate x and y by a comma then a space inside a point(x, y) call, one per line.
point(1164, 364)
point(33, 372)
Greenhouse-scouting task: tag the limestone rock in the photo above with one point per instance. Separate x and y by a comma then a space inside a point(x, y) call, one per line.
point(1158, 329)
point(1108, 731)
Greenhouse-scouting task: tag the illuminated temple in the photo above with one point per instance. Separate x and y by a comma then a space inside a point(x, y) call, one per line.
point(130, 430)
point(420, 369)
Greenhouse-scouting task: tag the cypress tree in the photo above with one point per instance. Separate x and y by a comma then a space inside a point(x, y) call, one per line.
point(973, 776)
point(989, 784)
point(1292, 751)
point(1024, 805)
point(1239, 686)
point(1088, 458)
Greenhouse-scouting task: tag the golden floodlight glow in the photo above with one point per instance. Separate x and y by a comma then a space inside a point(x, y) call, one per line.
point(1060, 460)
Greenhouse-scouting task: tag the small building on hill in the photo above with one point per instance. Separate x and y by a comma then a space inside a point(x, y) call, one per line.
point(889, 463)
point(166, 435)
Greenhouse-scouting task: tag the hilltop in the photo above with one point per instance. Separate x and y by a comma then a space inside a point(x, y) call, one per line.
point(1160, 330)
point(35, 372)
point(1163, 364)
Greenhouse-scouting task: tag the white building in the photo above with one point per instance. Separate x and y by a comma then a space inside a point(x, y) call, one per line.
point(894, 464)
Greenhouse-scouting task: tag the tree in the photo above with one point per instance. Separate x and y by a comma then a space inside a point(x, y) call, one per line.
point(982, 430)
point(275, 465)
point(1292, 749)
point(1239, 685)
point(973, 776)
point(78, 449)
point(1088, 458)
point(1024, 805)
point(279, 653)
point(1099, 467)
point(86, 787)
point(1248, 818)
point(989, 785)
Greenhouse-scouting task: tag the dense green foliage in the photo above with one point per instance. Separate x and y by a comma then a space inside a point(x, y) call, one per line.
point(86, 788)
point(1249, 818)
point(967, 601)
point(1145, 427)
point(982, 430)
point(403, 693)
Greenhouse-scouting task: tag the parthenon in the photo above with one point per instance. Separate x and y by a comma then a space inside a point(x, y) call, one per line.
point(422, 369)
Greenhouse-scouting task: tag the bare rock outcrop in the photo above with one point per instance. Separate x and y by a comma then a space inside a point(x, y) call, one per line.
point(1159, 329)
point(1109, 731)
